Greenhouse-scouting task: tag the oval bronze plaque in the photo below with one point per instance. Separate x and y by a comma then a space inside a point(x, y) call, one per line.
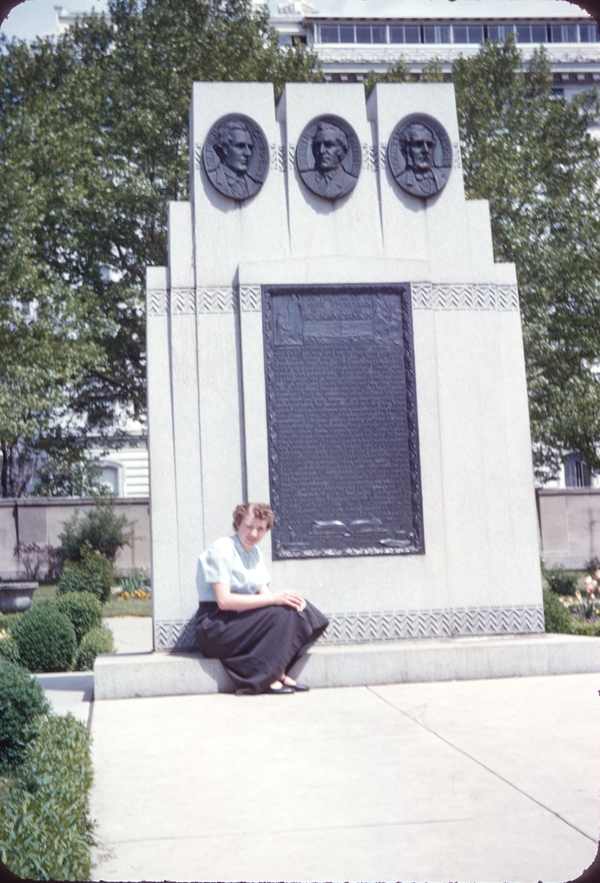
point(236, 156)
point(419, 155)
point(328, 157)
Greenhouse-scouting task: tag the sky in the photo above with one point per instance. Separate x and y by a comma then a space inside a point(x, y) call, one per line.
point(38, 17)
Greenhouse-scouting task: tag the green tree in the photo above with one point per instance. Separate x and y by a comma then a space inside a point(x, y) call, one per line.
point(530, 153)
point(399, 72)
point(93, 142)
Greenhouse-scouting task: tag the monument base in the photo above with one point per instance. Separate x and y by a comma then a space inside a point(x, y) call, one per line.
point(127, 676)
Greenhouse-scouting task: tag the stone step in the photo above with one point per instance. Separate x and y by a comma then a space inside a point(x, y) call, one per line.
point(131, 675)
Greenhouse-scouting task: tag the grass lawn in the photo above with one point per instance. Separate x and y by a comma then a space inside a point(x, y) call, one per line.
point(113, 607)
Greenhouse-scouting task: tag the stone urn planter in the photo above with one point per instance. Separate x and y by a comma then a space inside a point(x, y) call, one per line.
point(16, 597)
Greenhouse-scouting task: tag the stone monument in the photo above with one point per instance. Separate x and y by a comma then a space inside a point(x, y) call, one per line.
point(333, 335)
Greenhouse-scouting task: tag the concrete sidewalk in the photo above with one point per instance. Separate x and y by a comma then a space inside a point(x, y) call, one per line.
point(473, 781)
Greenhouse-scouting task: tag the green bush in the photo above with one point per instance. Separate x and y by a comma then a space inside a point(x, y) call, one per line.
point(8, 647)
point(556, 615)
point(7, 621)
point(101, 528)
point(99, 640)
point(95, 574)
point(22, 704)
point(45, 830)
point(560, 581)
point(580, 627)
point(83, 609)
point(45, 638)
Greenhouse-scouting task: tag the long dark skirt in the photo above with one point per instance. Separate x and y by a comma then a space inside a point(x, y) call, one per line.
point(256, 646)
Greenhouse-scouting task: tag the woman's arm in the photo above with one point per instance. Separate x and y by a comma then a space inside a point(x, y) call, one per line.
point(228, 600)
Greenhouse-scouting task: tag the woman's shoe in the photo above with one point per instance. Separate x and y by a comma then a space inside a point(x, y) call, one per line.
point(298, 688)
point(273, 691)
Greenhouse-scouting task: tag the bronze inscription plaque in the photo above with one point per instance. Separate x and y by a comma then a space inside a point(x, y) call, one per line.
point(342, 417)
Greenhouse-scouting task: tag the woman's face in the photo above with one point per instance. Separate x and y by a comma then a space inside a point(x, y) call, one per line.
point(251, 531)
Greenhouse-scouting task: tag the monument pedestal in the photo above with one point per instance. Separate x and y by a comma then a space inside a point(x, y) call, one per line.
point(378, 662)
point(333, 335)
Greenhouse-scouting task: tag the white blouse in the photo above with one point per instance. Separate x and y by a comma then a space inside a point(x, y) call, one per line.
point(228, 562)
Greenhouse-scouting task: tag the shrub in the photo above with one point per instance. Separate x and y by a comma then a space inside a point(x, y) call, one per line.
point(560, 581)
point(45, 830)
point(580, 627)
point(7, 621)
point(45, 638)
point(556, 616)
point(99, 640)
point(22, 704)
point(95, 574)
point(83, 609)
point(101, 528)
point(8, 647)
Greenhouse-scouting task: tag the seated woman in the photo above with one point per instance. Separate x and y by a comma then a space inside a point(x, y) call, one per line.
point(257, 634)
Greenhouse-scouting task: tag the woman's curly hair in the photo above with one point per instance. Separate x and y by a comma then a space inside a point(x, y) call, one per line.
point(259, 510)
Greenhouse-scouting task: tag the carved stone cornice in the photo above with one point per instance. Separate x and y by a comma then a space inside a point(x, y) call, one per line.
point(464, 296)
point(391, 625)
point(447, 53)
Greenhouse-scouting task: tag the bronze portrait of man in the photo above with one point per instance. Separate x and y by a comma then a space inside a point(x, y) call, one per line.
point(336, 157)
point(420, 156)
point(236, 157)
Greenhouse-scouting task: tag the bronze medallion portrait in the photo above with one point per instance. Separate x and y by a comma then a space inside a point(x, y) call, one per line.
point(419, 155)
point(328, 157)
point(236, 156)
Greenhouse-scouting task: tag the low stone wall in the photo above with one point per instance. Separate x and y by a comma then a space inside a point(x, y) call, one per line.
point(40, 520)
point(569, 525)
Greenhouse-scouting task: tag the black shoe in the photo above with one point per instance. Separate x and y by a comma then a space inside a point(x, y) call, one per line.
point(301, 688)
point(273, 691)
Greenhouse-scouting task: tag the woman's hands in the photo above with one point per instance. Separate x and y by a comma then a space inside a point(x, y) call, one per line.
point(289, 597)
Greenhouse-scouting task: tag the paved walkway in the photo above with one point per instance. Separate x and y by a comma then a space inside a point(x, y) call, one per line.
point(489, 781)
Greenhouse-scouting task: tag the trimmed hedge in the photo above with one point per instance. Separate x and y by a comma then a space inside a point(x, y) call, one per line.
point(9, 648)
point(556, 615)
point(95, 574)
point(45, 638)
point(99, 640)
point(560, 581)
point(83, 609)
point(45, 830)
point(22, 705)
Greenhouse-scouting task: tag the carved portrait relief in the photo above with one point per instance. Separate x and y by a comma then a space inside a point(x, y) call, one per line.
point(328, 157)
point(420, 155)
point(236, 156)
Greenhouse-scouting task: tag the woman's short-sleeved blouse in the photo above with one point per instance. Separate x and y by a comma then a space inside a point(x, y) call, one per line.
point(228, 562)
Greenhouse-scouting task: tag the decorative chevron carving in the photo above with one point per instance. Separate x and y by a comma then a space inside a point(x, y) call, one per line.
point(464, 296)
point(277, 158)
point(369, 157)
point(158, 301)
point(393, 625)
point(356, 628)
point(176, 634)
point(250, 298)
point(456, 155)
point(291, 156)
point(183, 301)
point(216, 300)
point(383, 155)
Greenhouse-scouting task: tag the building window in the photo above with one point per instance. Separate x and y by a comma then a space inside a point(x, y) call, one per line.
point(347, 34)
point(110, 478)
point(588, 33)
point(467, 33)
point(565, 34)
point(500, 32)
point(330, 34)
point(577, 472)
point(437, 34)
point(532, 34)
point(379, 34)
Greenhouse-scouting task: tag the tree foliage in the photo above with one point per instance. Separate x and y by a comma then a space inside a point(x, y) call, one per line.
point(93, 142)
point(529, 152)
